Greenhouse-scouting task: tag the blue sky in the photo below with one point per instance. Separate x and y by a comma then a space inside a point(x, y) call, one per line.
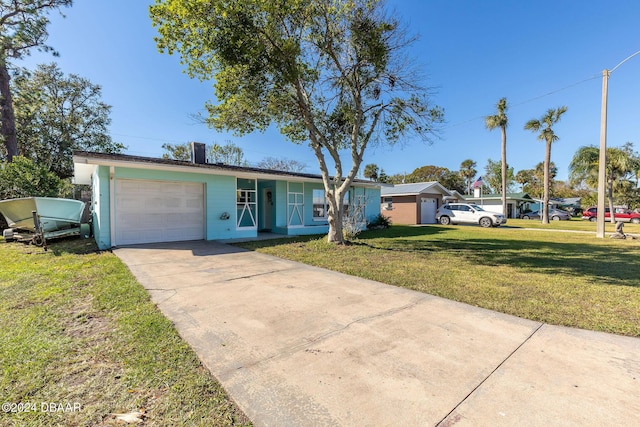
point(539, 54)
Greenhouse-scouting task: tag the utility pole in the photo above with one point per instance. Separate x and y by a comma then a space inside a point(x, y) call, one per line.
point(602, 162)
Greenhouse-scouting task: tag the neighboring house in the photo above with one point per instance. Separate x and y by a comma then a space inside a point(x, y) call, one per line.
point(145, 200)
point(571, 204)
point(516, 203)
point(455, 197)
point(413, 203)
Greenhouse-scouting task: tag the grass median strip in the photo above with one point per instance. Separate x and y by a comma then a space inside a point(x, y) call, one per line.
point(570, 279)
point(80, 341)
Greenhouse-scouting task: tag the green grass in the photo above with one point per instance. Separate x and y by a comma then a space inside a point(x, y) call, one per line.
point(561, 278)
point(575, 224)
point(77, 328)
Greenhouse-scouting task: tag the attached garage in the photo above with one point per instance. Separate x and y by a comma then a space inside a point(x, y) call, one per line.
point(158, 211)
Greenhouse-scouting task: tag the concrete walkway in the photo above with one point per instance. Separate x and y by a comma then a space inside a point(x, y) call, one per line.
point(296, 345)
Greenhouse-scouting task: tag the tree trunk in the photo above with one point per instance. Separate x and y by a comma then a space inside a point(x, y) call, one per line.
point(334, 216)
point(7, 116)
point(545, 197)
point(504, 171)
point(612, 214)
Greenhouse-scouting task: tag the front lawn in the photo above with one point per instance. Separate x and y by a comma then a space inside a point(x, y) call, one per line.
point(81, 341)
point(561, 278)
point(575, 224)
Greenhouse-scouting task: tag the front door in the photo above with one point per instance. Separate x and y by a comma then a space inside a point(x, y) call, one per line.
point(267, 209)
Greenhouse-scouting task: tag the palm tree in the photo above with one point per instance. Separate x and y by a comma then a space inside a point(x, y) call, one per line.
point(539, 174)
point(371, 171)
point(634, 158)
point(544, 126)
point(468, 172)
point(500, 120)
point(584, 168)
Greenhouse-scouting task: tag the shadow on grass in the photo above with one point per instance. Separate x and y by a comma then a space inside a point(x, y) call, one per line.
point(401, 231)
point(389, 233)
point(267, 243)
point(72, 245)
point(605, 264)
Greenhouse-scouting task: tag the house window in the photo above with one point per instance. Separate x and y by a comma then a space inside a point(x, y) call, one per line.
point(246, 206)
point(295, 204)
point(345, 203)
point(387, 203)
point(320, 205)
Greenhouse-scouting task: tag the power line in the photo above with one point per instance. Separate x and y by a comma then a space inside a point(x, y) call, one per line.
point(553, 92)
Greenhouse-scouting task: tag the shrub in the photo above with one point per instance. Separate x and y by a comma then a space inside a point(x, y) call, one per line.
point(379, 222)
point(352, 225)
point(24, 178)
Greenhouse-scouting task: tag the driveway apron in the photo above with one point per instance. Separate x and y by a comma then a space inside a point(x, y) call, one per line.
point(296, 345)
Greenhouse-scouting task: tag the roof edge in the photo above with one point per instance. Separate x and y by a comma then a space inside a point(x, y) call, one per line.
point(124, 160)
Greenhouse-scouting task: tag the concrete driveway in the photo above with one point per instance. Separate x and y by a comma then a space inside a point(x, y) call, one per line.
point(296, 345)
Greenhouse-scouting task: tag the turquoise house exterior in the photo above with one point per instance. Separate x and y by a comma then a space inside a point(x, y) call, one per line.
point(146, 200)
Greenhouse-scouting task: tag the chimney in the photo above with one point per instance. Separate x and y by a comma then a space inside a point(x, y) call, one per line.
point(198, 153)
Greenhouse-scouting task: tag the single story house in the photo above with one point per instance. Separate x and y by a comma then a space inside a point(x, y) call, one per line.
point(455, 197)
point(145, 200)
point(413, 203)
point(516, 202)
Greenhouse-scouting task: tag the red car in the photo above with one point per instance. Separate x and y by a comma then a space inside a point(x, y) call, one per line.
point(620, 214)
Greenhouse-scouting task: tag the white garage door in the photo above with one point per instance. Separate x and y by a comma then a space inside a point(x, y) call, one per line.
point(428, 211)
point(158, 211)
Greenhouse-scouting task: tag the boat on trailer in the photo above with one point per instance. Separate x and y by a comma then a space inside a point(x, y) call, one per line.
point(41, 218)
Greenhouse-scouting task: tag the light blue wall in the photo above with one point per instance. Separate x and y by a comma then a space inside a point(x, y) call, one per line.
point(372, 197)
point(101, 207)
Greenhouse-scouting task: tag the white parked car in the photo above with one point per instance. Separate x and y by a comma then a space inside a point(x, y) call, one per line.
point(457, 213)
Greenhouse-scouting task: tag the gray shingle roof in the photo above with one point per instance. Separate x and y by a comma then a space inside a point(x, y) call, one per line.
point(415, 188)
point(216, 166)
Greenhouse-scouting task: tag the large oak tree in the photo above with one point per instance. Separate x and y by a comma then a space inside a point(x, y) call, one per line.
point(56, 114)
point(328, 73)
point(23, 26)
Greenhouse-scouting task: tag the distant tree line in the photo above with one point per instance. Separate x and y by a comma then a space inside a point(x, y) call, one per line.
point(622, 171)
point(230, 154)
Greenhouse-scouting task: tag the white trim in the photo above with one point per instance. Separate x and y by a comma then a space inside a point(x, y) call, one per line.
point(296, 207)
point(247, 203)
point(112, 204)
